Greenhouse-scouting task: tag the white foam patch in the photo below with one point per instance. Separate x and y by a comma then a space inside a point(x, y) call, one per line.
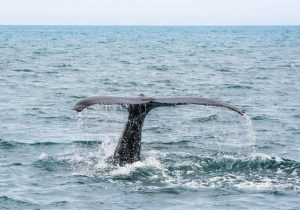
point(265, 184)
point(294, 173)
point(149, 162)
point(43, 156)
point(194, 184)
point(261, 156)
point(127, 169)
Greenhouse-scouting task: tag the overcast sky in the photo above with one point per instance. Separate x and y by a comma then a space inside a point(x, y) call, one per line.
point(150, 12)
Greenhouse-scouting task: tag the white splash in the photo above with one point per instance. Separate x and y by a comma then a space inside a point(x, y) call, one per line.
point(149, 162)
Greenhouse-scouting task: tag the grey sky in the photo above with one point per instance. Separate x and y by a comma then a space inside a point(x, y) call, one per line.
point(150, 12)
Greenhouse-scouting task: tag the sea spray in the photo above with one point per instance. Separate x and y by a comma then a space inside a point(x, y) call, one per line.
point(230, 135)
point(223, 132)
point(251, 132)
point(99, 123)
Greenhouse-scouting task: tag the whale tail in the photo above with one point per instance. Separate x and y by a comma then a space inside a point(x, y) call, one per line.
point(129, 146)
point(152, 102)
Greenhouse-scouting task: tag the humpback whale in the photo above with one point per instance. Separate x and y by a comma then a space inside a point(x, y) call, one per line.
point(129, 146)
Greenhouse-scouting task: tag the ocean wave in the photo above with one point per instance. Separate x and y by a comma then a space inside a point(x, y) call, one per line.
point(239, 87)
point(94, 151)
point(51, 164)
point(163, 170)
point(206, 119)
point(7, 144)
point(11, 203)
point(23, 70)
point(13, 144)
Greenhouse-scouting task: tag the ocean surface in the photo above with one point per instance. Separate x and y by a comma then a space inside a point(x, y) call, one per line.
point(193, 157)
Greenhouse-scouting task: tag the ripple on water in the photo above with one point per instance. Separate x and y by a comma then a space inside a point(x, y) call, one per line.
point(11, 203)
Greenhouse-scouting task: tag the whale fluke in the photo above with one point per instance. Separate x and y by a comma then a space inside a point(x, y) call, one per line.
point(129, 146)
point(108, 100)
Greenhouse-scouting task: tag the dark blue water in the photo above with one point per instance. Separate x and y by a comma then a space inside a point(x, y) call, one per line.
point(193, 157)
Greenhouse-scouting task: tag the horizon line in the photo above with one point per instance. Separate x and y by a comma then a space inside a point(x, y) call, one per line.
point(188, 25)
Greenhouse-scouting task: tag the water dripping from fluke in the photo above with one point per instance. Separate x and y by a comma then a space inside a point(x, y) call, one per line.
point(251, 132)
point(159, 170)
point(129, 146)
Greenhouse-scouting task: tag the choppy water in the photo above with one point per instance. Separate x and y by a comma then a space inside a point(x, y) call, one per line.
point(193, 157)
